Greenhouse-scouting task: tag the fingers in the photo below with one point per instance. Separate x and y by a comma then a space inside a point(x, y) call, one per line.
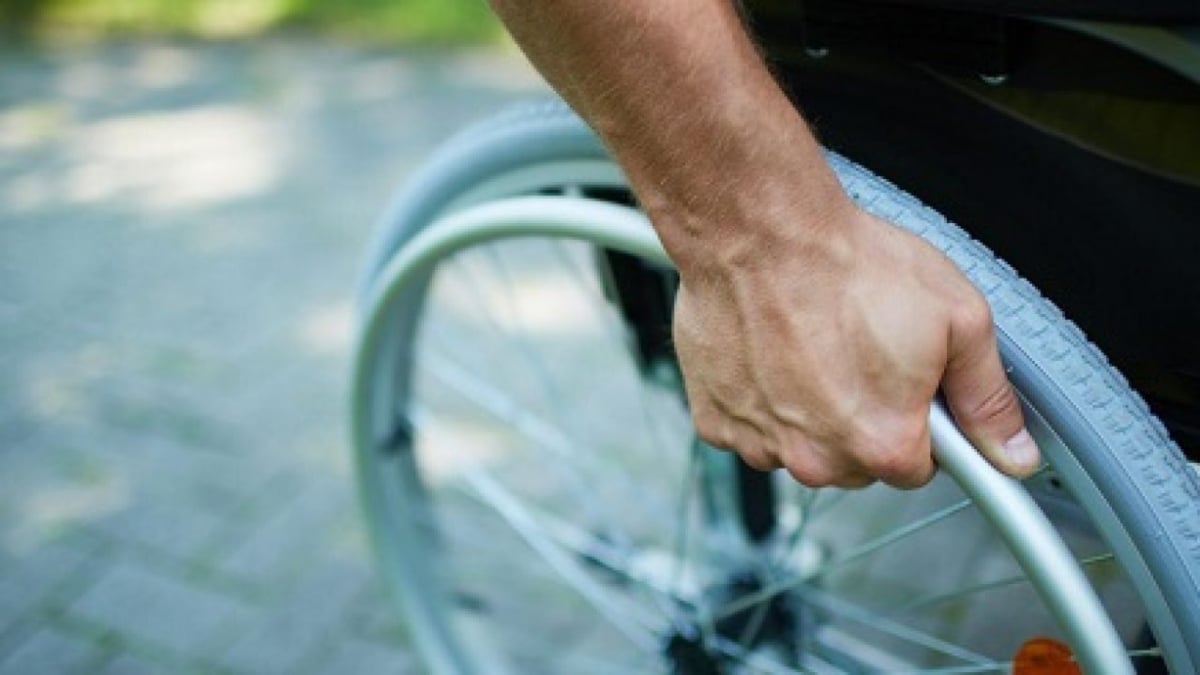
point(981, 398)
point(903, 457)
point(725, 432)
point(813, 469)
point(900, 458)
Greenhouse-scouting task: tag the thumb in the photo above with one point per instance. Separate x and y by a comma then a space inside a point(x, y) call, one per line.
point(981, 398)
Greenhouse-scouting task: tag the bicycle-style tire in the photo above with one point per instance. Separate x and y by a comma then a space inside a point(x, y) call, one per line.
point(1133, 481)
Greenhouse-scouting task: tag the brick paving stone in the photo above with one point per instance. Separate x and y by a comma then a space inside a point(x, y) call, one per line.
point(360, 656)
point(164, 468)
point(287, 537)
point(136, 601)
point(178, 246)
point(314, 610)
point(29, 580)
point(128, 664)
point(76, 480)
point(377, 618)
point(50, 651)
point(179, 530)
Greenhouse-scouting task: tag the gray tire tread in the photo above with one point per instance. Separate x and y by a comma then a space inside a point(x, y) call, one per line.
point(1150, 465)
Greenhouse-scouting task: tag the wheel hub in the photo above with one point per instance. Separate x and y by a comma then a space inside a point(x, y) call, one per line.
point(773, 622)
point(687, 655)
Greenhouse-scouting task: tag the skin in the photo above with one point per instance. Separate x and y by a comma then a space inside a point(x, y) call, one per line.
point(812, 335)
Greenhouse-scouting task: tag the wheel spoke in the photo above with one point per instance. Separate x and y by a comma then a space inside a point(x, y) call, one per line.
point(756, 661)
point(753, 625)
point(828, 503)
point(511, 325)
point(662, 443)
point(532, 648)
point(571, 537)
point(683, 512)
point(818, 506)
point(521, 520)
point(613, 328)
point(873, 620)
point(1006, 666)
point(552, 393)
point(939, 598)
point(867, 548)
point(542, 432)
point(808, 513)
point(614, 559)
point(997, 667)
point(767, 592)
point(663, 593)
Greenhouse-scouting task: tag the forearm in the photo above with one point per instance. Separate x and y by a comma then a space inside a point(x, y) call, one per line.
point(677, 91)
point(810, 334)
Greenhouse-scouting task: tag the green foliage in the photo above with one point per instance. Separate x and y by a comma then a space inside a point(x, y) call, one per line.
point(409, 21)
point(421, 20)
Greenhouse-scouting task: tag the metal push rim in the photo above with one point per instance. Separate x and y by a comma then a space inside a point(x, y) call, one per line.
point(1023, 526)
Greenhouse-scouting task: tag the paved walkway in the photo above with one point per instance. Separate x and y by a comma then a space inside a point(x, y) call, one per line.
point(179, 228)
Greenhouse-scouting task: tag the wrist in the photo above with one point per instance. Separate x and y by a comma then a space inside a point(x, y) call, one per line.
point(790, 210)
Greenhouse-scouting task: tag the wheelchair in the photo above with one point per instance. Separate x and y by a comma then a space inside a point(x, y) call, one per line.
point(535, 493)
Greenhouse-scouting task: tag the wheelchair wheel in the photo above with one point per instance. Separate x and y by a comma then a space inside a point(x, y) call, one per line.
point(538, 501)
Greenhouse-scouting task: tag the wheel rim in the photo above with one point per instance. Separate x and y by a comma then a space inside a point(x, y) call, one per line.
point(382, 499)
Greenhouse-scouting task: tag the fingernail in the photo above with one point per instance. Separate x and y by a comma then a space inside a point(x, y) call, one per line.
point(1021, 449)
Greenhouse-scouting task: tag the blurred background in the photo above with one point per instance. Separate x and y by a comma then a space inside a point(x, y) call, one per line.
point(185, 188)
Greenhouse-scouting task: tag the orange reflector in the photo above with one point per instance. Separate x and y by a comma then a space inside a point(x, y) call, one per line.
point(1043, 656)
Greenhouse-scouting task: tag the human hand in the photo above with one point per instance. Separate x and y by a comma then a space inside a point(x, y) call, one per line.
point(822, 355)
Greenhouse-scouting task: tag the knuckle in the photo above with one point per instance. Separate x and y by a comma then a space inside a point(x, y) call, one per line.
point(711, 430)
point(997, 406)
point(854, 481)
point(809, 469)
point(891, 462)
point(918, 477)
point(759, 459)
point(974, 315)
point(898, 457)
point(810, 476)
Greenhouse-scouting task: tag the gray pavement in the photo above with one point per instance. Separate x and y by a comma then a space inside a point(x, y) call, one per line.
point(179, 229)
